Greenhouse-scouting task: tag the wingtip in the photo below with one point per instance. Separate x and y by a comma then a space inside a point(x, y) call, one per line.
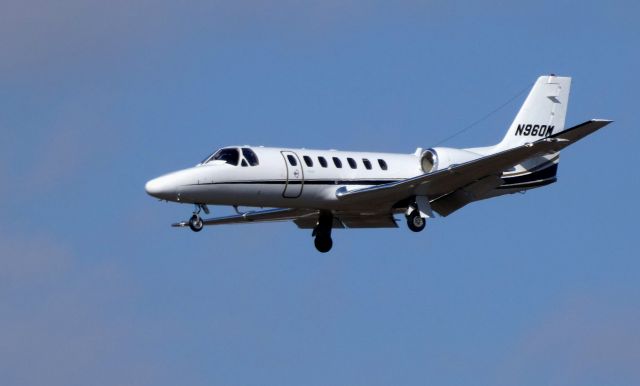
point(607, 121)
point(181, 224)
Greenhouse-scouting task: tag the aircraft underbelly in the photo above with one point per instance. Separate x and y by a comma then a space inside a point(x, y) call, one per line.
point(245, 194)
point(262, 195)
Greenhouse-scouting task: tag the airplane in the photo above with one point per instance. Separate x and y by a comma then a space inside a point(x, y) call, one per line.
point(322, 190)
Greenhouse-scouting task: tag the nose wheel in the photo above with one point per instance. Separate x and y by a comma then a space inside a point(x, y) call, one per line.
point(195, 223)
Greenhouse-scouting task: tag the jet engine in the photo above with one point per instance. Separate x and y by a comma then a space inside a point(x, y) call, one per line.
point(439, 158)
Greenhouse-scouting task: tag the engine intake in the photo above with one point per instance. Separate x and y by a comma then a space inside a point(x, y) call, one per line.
point(439, 158)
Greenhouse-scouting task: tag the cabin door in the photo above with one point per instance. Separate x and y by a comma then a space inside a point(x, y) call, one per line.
point(295, 175)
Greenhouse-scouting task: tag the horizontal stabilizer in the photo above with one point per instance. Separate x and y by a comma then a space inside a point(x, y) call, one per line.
point(576, 133)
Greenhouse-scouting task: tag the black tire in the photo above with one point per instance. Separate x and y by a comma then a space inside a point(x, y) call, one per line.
point(323, 243)
point(415, 222)
point(195, 223)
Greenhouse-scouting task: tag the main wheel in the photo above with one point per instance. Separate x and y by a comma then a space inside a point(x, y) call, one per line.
point(323, 243)
point(195, 223)
point(415, 222)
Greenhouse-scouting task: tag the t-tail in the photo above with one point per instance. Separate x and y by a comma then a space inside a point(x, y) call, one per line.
point(542, 115)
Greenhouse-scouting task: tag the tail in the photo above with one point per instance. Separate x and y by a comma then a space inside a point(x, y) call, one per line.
point(542, 114)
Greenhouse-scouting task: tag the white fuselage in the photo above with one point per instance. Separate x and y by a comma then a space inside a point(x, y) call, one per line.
point(327, 189)
point(288, 178)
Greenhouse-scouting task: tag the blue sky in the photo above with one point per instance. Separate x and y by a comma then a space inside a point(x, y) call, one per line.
point(96, 288)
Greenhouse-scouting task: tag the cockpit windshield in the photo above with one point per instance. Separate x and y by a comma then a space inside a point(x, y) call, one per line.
point(206, 159)
point(232, 156)
point(228, 155)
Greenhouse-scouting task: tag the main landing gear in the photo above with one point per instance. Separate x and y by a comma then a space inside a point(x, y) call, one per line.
point(195, 222)
point(415, 222)
point(322, 233)
point(417, 214)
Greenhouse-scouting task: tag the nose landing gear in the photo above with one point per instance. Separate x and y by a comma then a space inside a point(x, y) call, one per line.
point(195, 222)
point(322, 233)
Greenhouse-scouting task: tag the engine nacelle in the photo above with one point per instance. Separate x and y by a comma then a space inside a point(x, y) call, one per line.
point(439, 158)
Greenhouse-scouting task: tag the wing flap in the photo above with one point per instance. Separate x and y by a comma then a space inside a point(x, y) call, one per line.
point(310, 222)
point(351, 220)
point(455, 200)
point(369, 221)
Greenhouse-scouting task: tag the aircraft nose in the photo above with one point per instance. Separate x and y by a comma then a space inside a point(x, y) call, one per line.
point(161, 187)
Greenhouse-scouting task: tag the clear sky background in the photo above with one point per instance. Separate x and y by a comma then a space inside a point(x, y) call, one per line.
point(97, 97)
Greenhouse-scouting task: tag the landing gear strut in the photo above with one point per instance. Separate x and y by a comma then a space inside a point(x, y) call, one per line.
point(195, 222)
point(322, 233)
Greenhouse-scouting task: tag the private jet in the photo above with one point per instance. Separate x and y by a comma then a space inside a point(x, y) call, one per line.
point(322, 190)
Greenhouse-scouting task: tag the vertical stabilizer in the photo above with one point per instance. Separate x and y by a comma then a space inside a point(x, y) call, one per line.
point(542, 114)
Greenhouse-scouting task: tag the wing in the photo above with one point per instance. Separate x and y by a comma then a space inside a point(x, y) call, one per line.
point(304, 218)
point(352, 220)
point(257, 216)
point(448, 180)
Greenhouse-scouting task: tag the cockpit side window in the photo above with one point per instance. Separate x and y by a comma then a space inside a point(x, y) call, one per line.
point(229, 155)
point(250, 156)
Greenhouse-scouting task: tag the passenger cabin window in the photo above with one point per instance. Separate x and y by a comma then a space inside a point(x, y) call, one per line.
point(250, 156)
point(228, 155)
point(383, 164)
point(323, 162)
point(308, 161)
point(367, 163)
point(337, 162)
point(292, 160)
point(352, 163)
